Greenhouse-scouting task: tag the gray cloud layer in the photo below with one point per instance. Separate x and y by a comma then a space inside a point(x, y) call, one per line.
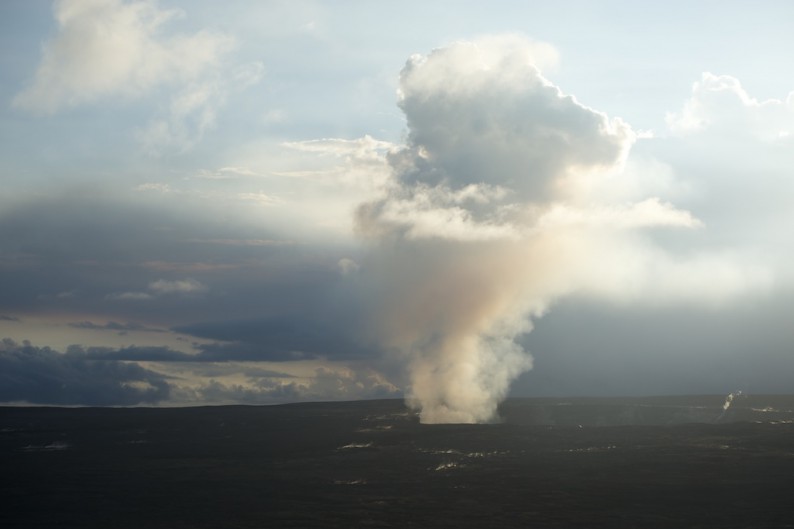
point(134, 262)
point(102, 376)
point(43, 376)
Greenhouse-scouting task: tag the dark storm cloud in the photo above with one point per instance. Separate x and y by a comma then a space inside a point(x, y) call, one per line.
point(585, 349)
point(85, 249)
point(39, 375)
point(130, 261)
point(279, 339)
point(73, 228)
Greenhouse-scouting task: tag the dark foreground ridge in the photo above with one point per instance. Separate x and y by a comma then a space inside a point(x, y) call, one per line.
point(591, 463)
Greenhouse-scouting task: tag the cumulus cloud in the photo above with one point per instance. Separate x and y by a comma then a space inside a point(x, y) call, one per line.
point(720, 102)
point(113, 48)
point(109, 47)
point(518, 129)
point(737, 151)
point(496, 209)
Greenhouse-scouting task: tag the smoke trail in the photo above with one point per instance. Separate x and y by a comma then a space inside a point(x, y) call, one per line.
point(728, 403)
point(491, 217)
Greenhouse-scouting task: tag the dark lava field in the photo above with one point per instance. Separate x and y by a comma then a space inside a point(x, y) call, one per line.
point(675, 462)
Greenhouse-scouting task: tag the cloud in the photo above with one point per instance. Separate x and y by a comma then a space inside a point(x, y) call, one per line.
point(736, 151)
point(131, 296)
point(103, 376)
point(193, 109)
point(181, 286)
point(115, 326)
point(129, 354)
point(249, 352)
point(227, 173)
point(498, 207)
point(191, 112)
point(206, 353)
point(108, 47)
point(326, 384)
point(42, 376)
point(719, 103)
point(518, 129)
point(154, 186)
point(162, 287)
point(649, 212)
point(347, 266)
point(5, 317)
point(660, 350)
point(106, 251)
point(361, 160)
point(307, 335)
point(246, 242)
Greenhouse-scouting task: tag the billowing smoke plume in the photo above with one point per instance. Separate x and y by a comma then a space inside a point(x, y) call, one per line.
point(492, 215)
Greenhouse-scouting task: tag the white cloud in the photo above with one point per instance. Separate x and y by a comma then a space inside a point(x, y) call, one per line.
point(247, 75)
point(259, 197)
point(738, 152)
point(315, 184)
point(106, 49)
point(720, 103)
point(131, 296)
point(191, 113)
point(193, 109)
point(154, 186)
point(162, 287)
point(347, 266)
point(361, 161)
point(109, 48)
point(182, 286)
point(246, 242)
point(650, 212)
point(431, 213)
point(226, 173)
point(482, 112)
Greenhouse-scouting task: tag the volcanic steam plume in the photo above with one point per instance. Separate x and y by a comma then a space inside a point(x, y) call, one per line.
point(496, 209)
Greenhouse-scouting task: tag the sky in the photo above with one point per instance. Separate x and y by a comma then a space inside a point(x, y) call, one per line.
point(265, 202)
